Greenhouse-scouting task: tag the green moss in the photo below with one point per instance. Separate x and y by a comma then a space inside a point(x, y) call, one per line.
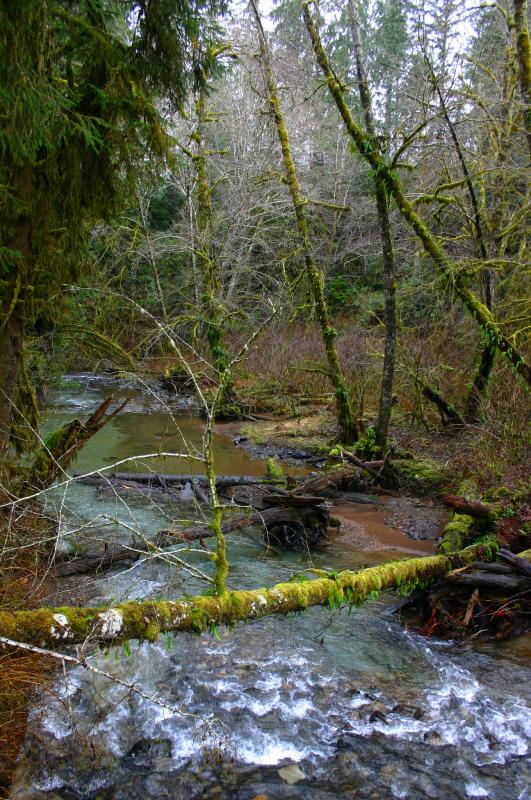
point(274, 471)
point(428, 473)
point(152, 632)
point(455, 533)
point(145, 620)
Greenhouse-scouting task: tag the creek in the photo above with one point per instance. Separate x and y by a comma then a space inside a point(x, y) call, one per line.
point(324, 704)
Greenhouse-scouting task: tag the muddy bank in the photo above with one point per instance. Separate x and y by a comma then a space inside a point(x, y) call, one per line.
point(402, 524)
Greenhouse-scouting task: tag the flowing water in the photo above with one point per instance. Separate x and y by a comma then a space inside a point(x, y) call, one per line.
point(325, 704)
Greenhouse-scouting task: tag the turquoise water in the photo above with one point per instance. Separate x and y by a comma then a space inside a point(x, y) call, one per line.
point(363, 707)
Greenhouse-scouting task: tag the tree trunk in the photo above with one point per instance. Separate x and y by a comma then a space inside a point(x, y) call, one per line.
point(388, 255)
point(50, 627)
point(12, 305)
point(62, 446)
point(11, 351)
point(523, 48)
point(213, 312)
point(345, 418)
point(453, 276)
point(480, 380)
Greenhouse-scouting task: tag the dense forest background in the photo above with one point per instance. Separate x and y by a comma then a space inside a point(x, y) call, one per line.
point(207, 229)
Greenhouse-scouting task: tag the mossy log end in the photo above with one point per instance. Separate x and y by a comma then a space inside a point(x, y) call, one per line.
point(50, 627)
point(458, 527)
point(62, 446)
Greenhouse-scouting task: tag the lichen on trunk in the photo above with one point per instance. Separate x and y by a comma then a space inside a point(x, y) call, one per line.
point(453, 277)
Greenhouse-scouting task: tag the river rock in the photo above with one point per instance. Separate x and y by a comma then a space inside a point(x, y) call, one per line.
point(413, 711)
point(147, 750)
point(433, 738)
point(291, 774)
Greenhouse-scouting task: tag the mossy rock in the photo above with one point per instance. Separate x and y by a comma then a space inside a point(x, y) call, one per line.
point(229, 412)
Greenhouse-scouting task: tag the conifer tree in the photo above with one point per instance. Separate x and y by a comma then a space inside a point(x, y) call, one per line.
point(79, 90)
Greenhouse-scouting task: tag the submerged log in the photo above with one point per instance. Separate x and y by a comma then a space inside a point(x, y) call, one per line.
point(97, 561)
point(49, 627)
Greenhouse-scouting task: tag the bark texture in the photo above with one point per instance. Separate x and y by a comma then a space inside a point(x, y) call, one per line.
point(388, 256)
point(523, 48)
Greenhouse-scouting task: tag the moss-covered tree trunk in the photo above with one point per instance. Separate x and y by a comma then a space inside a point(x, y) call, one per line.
point(345, 417)
point(388, 255)
point(485, 361)
point(213, 311)
point(453, 277)
point(523, 48)
point(11, 349)
point(53, 627)
point(16, 256)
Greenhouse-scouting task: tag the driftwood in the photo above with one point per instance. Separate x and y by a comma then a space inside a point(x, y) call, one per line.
point(329, 483)
point(492, 581)
point(501, 569)
point(471, 507)
point(97, 561)
point(295, 524)
point(520, 563)
point(62, 446)
point(482, 598)
point(164, 480)
point(367, 466)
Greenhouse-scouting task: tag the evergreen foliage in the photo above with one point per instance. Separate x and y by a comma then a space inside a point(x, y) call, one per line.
point(82, 85)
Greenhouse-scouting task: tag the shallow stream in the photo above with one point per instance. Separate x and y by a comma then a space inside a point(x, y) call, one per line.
point(325, 704)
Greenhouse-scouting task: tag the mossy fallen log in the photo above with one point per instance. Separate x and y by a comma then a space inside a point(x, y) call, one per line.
point(62, 446)
point(458, 527)
point(473, 508)
point(423, 474)
point(49, 627)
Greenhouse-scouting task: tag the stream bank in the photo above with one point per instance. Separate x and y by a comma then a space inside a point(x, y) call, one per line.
point(351, 704)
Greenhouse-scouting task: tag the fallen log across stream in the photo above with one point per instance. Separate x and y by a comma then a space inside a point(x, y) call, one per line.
point(50, 627)
point(98, 560)
point(164, 480)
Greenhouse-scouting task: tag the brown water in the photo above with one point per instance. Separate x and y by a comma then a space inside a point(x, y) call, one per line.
point(369, 528)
